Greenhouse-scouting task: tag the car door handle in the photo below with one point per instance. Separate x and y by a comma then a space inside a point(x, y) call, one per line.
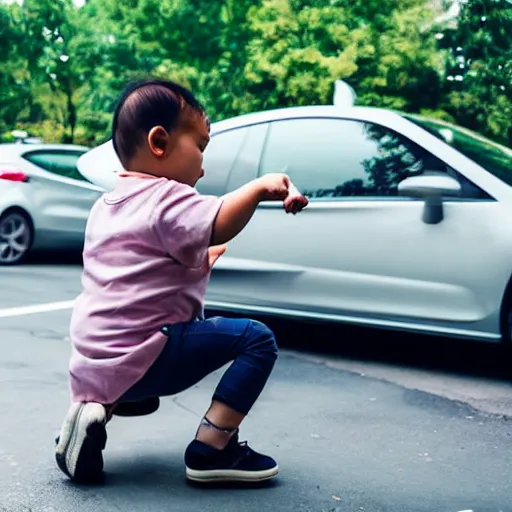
point(226, 263)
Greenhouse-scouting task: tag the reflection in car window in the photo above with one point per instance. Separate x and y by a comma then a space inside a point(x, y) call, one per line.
point(219, 158)
point(329, 158)
point(62, 163)
point(493, 157)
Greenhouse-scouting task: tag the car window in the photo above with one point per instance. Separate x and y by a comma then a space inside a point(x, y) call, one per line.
point(60, 162)
point(248, 158)
point(232, 159)
point(331, 158)
point(493, 157)
point(219, 158)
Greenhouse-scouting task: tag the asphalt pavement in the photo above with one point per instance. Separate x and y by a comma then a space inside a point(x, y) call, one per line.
point(346, 439)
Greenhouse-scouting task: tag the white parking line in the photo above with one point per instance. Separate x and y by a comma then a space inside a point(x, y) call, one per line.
point(36, 308)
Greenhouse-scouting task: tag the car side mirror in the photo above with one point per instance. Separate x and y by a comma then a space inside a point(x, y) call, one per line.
point(431, 187)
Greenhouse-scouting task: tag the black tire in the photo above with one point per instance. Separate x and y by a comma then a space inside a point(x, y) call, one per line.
point(506, 327)
point(16, 236)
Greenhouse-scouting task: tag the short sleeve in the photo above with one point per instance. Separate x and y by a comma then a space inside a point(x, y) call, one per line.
point(183, 222)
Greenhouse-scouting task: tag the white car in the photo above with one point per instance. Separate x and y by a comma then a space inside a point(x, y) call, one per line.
point(408, 225)
point(44, 200)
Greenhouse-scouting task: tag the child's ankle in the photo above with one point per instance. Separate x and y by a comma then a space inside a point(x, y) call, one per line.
point(213, 435)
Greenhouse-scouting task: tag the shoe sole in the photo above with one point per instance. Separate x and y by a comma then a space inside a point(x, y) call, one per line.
point(230, 475)
point(81, 441)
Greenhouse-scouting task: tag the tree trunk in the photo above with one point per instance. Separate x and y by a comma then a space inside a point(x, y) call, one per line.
point(71, 116)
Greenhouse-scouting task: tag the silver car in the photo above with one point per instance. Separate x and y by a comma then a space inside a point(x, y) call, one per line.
point(407, 226)
point(44, 200)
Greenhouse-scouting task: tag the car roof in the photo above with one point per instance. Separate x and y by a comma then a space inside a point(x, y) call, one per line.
point(12, 150)
point(361, 113)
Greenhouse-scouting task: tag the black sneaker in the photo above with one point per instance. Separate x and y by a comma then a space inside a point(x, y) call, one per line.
point(236, 463)
point(82, 438)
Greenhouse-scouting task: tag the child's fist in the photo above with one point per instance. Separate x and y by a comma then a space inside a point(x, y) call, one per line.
point(274, 187)
point(295, 201)
point(278, 187)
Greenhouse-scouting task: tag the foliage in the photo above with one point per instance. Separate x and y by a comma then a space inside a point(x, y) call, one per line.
point(478, 89)
point(63, 67)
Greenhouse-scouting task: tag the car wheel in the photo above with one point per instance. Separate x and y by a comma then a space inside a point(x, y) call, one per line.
point(16, 237)
point(506, 327)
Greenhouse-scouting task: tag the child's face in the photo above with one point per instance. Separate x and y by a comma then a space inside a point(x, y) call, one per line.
point(179, 156)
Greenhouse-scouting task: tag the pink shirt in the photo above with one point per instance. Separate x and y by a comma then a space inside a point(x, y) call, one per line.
point(145, 265)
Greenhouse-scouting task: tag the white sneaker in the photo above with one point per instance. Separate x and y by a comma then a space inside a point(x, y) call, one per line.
point(83, 437)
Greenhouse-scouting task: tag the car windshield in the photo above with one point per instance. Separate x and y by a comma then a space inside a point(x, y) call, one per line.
point(497, 159)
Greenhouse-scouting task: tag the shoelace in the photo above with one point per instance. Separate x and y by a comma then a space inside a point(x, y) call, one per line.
point(244, 445)
point(244, 451)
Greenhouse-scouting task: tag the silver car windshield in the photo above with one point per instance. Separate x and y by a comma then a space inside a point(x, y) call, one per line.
point(497, 159)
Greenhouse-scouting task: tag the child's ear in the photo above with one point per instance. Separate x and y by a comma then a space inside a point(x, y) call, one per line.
point(158, 141)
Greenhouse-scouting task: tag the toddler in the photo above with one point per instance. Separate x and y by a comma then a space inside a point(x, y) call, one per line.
point(137, 330)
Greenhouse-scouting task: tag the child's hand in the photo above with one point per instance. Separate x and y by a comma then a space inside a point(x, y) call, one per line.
point(274, 187)
point(239, 206)
point(295, 202)
point(215, 252)
point(277, 187)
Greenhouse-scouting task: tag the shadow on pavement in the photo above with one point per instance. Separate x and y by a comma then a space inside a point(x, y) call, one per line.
point(154, 471)
point(481, 359)
point(55, 258)
point(456, 356)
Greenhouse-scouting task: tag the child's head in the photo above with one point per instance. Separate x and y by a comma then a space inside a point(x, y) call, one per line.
point(160, 128)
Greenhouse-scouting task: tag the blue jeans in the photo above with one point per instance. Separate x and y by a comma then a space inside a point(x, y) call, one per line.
point(197, 348)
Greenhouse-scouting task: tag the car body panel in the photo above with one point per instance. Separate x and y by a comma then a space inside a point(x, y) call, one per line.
point(368, 276)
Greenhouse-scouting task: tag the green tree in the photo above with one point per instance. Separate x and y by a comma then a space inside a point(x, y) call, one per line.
point(14, 90)
point(198, 42)
point(46, 63)
point(300, 48)
point(62, 67)
point(478, 69)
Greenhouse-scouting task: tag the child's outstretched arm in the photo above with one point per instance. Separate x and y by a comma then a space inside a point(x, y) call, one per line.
point(239, 206)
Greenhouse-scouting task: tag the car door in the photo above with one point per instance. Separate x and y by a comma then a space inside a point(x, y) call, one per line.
point(62, 196)
point(359, 251)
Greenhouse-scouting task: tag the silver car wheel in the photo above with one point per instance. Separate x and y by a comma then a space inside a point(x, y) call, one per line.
point(15, 237)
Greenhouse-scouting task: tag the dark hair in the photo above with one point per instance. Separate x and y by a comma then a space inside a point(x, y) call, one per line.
point(146, 104)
